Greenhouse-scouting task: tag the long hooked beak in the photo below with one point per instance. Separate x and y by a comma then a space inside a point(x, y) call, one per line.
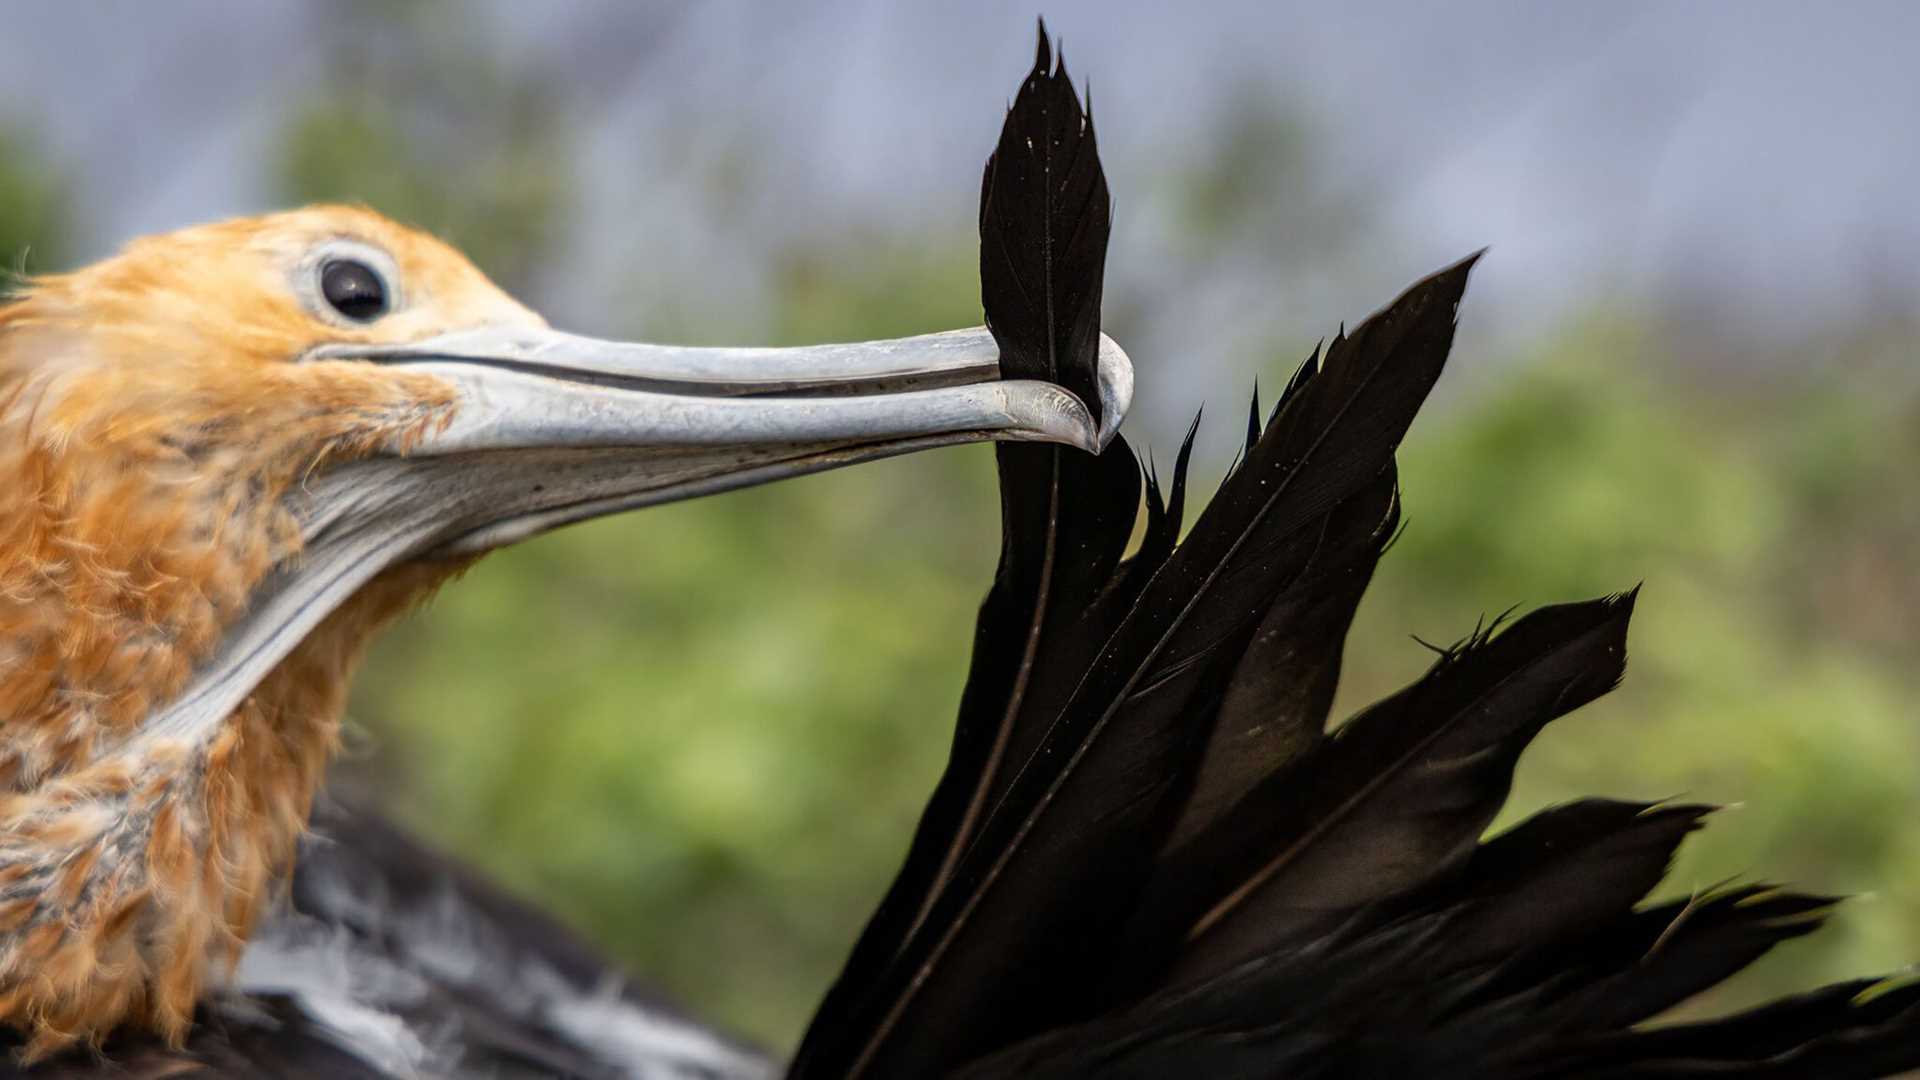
point(553, 428)
point(675, 421)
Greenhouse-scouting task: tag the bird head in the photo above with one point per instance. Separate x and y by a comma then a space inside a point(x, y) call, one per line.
point(230, 453)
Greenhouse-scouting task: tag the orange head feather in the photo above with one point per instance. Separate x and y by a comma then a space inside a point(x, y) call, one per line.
point(154, 413)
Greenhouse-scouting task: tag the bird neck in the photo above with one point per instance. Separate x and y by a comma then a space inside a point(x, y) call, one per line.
point(113, 587)
point(132, 868)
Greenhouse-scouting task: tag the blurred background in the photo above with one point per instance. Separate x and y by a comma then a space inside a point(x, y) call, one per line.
point(702, 734)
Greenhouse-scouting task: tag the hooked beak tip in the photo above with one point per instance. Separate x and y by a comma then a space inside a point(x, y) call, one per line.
point(1116, 390)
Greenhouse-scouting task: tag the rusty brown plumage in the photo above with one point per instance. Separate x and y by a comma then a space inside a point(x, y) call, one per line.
point(152, 419)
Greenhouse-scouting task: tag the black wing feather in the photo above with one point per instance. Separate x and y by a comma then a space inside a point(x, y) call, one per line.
point(1398, 796)
point(1057, 866)
point(1173, 868)
point(1044, 220)
point(1276, 702)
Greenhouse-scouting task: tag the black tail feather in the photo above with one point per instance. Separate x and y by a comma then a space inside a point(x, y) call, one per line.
point(1562, 872)
point(1276, 701)
point(1021, 932)
point(1396, 798)
point(1849, 1031)
point(1657, 958)
point(1066, 516)
point(1148, 855)
point(1157, 542)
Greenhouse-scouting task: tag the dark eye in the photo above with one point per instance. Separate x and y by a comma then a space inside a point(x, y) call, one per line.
point(353, 289)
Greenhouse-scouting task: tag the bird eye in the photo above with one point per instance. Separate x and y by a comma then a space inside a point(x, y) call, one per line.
point(353, 289)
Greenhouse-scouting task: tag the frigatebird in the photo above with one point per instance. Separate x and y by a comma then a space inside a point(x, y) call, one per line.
point(1149, 854)
point(233, 452)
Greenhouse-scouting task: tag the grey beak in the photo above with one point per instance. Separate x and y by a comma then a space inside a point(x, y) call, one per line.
point(554, 428)
point(528, 389)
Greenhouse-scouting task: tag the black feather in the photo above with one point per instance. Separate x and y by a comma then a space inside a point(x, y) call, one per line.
point(1397, 797)
point(1276, 701)
point(1655, 959)
point(1022, 933)
point(1253, 420)
point(1147, 856)
point(1045, 216)
point(1301, 376)
point(1066, 516)
point(1172, 869)
point(1858, 1029)
point(1559, 873)
point(1161, 535)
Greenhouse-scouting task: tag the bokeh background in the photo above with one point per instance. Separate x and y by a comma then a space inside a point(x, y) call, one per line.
point(702, 734)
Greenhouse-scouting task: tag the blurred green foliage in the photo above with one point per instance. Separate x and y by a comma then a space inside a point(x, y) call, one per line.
point(34, 211)
point(703, 733)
